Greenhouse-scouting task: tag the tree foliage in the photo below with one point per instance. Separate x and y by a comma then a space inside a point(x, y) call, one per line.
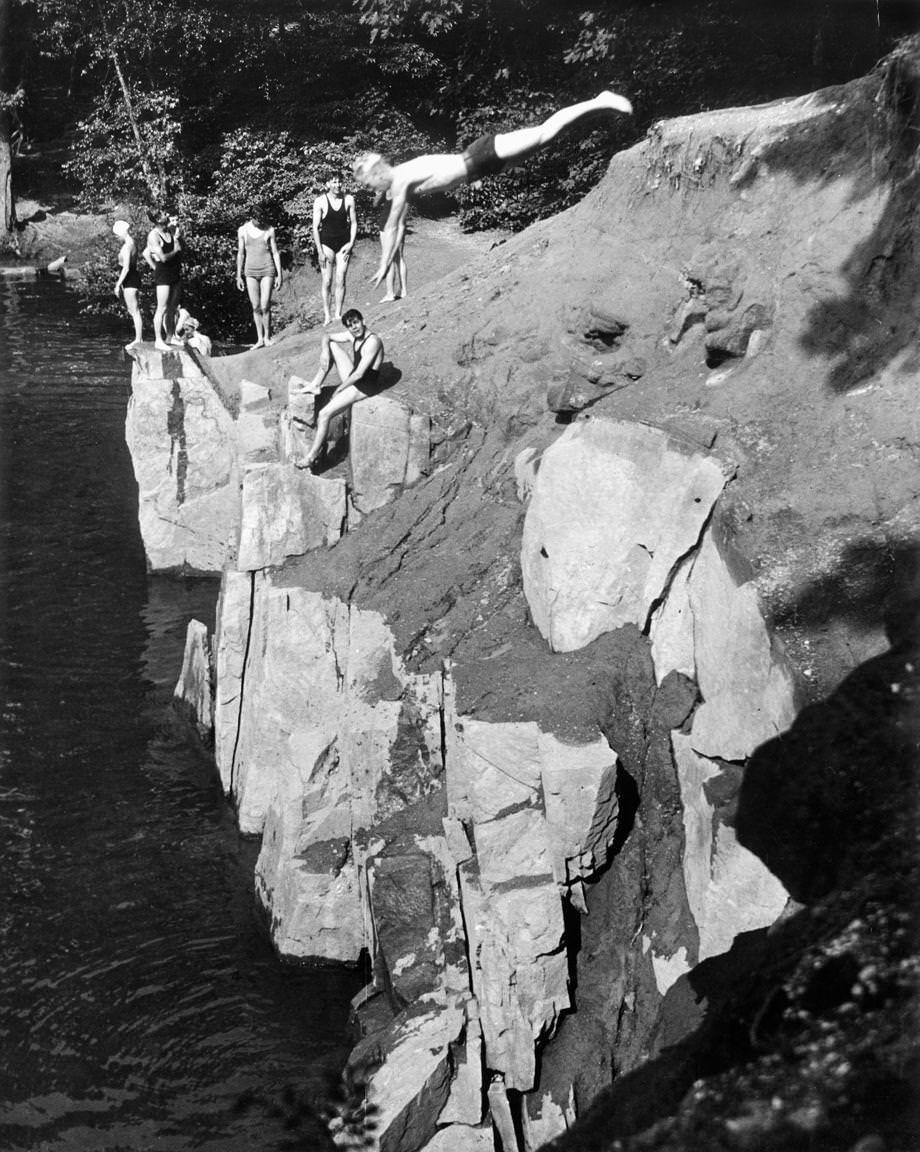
point(219, 103)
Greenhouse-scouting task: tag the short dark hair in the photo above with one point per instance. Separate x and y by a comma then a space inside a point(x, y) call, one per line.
point(352, 314)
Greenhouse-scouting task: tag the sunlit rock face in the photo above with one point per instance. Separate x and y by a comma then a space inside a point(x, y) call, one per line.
point(448, 848)
point(614, 508)
point(183, 445)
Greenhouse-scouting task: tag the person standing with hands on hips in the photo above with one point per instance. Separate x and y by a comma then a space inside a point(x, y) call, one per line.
point(257, 261)
point(335, 226)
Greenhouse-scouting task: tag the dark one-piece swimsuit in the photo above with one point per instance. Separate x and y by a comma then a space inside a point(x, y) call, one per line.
point(370, 381)
point(170, 271)
point(133, 277)
point(334, 229)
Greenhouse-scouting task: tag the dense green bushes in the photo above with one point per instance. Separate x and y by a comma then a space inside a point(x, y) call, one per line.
point(218, 103)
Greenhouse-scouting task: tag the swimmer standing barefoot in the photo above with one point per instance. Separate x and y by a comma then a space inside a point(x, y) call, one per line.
point(128, 284)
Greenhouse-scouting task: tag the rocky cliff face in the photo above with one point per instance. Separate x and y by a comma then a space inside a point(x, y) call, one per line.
point(488, 697)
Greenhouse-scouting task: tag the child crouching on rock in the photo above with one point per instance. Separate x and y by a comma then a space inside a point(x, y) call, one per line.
point(188, 331)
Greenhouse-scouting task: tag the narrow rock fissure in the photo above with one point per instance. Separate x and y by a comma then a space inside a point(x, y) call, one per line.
point(244, 666)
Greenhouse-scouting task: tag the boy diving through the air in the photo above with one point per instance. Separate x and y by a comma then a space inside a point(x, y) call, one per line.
point(484, 157)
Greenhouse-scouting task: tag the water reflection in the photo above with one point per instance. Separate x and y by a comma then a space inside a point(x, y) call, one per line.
point(140, 997)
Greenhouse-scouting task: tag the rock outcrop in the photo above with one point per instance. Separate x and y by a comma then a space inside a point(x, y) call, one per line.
point(488, 693)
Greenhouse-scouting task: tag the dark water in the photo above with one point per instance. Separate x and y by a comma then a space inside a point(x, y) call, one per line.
point(139, 998)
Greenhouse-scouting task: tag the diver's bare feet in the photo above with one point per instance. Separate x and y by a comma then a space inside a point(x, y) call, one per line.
point(614, 101)
point(135, 344)
point(258, 344)
point(161, 346)
point(268, 341)
point(388, 298)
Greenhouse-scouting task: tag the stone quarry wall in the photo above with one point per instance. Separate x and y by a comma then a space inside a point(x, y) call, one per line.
point(487, 691)
point(456, 851)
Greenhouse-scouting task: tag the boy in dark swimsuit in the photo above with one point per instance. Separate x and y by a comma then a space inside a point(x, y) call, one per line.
point(358, 370)
point(485, 157)
point(335, 226)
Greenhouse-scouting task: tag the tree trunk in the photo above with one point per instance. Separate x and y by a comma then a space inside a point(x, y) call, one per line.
point(157, 187)
point(7, 203)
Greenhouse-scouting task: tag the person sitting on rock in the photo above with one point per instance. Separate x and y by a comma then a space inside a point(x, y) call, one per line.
point(358, 369)
point(188, 330)
point(486, 156)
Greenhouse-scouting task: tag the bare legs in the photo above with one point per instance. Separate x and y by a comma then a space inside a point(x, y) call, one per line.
point(164, 318)
point(396, 274)
point(333, 266)
point(134, 311)
point(524, 140)
point(259, 290)
point(342, 399)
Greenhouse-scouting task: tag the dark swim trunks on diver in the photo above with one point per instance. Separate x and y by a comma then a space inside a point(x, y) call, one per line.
point(481, 159)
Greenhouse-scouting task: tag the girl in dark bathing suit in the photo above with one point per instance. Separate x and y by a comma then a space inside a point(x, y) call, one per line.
point(128, 284)
point(335, 226)
point(164, 255)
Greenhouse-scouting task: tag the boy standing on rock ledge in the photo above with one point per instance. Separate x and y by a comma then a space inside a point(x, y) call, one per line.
point(486, 156)
point(359, 374)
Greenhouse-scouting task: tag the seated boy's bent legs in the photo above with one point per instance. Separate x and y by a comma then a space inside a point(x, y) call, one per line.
point(342, 360)
point(342, 399)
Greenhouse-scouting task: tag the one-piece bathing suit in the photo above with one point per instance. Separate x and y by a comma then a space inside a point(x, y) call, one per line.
point(370, 381)
point(258, 261)
point(334, 228)
point(168, 272)
point(133, 277)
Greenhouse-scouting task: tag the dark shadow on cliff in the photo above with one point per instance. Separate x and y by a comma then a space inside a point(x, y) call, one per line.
point(798, 1037)
point(870, 134)
point(825, 802)
point(871, 580)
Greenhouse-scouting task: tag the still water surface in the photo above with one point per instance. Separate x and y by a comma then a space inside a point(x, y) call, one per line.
point(139, 998)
